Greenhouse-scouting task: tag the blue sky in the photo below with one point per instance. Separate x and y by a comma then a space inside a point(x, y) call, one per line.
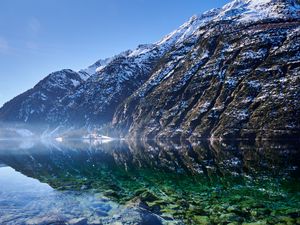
point(41, 36)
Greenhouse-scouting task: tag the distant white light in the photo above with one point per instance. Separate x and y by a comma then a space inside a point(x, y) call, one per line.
point(59, 139)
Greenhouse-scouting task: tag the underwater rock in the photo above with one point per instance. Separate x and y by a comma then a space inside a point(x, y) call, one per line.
point(202, 220)
point(47, 220)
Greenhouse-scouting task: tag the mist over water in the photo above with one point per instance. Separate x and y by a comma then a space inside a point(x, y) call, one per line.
point(148, 182)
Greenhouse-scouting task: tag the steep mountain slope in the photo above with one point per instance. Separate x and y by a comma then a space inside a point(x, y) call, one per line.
point(240, 79)
point(230, 72)
point(105, 85)
point(95, 101)
point(35, 104)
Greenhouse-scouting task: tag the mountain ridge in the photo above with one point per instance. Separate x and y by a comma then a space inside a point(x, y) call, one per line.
point(210, 78)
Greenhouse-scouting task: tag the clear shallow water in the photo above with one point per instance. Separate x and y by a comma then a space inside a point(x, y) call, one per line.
point(149, 183)
point(25, 200)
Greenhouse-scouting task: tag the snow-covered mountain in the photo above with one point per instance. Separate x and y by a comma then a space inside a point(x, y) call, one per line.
point(256, 10)
point(230, 72)
point(99, 89)
point(32, 105)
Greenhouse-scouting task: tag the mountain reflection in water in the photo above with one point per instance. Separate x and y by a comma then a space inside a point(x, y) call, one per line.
point(151, 182)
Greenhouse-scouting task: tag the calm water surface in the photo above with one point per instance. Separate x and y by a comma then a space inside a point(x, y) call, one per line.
point(73, 182)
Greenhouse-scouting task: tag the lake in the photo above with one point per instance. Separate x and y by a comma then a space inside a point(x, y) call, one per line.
point(171, 182)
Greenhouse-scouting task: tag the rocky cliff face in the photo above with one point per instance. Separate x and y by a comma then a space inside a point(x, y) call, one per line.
point(231, 72)
point(239, 79)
